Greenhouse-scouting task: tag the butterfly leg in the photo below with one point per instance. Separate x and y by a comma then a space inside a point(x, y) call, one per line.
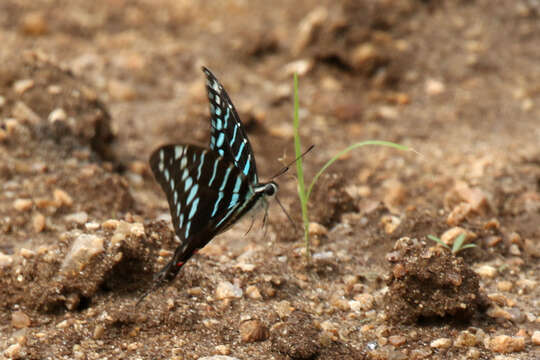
point(172, 268)
point(169, 271)
point(250, 225)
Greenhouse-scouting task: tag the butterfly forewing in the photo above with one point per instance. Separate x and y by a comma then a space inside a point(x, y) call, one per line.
point(228, 136)
point(204, 190)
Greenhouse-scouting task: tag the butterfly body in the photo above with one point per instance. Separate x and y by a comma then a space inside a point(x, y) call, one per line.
point(209, 189)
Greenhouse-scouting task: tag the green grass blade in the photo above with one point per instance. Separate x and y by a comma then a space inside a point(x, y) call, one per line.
point(300, 170)
point(466, 246)
point(344, 151)
point(439, 241)
point(458, 242)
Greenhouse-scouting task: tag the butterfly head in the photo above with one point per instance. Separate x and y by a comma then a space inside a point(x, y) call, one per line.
point(269, 189)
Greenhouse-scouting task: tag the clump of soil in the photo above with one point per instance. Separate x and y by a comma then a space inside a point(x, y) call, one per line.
point(55, 103)
point(429, 282)
point(298, 338)
point(330, 190)
point(68, 274)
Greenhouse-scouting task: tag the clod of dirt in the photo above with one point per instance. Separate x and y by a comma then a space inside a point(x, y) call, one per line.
point(297, 338)
point(344, 36)
point(54, 103)
point(429, 283)
point(70, 273)
point(330, 200)
point(253, 330)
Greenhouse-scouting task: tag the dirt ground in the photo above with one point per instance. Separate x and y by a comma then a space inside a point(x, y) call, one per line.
point(89, 89)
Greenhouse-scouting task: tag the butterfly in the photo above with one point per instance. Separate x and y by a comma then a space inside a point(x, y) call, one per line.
point(209, 189)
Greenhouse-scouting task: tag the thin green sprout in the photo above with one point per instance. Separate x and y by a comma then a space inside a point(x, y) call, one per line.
point(302, 194)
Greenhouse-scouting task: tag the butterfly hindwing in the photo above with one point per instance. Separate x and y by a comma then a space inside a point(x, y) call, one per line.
point(204, 190)
point(228, 136)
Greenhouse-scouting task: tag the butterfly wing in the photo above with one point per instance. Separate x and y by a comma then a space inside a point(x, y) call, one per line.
point(203, 189)
point(228, 136)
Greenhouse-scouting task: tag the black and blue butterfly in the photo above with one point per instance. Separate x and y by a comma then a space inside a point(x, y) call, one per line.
point(209, 189)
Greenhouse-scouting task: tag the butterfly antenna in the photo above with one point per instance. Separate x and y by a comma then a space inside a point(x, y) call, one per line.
point(286, 213)
point(286, 168)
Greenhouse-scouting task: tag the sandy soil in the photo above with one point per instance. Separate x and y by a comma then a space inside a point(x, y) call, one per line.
point(89, 89)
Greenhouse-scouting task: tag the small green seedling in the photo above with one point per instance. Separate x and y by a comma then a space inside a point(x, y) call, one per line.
point(302, 193)
point(457, 246)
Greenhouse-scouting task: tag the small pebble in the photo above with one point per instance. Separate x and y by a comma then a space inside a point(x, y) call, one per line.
point(514, 250)
point(390, 223)
point(23, 113)
point(121, 91)
point(226, 290)
point(364, 57)
point(507, 344)
point(397, 340)
point(465, 340)
point(110, 224)
point(253, 292)
point(395, 193)
point(245, 267)
point(421, 353)
point(473, 354)
point(477, 198)
point(517, 315)
point(223, 349)
point(458, 214)
point(300, 67)
point(21, 86)
point(57, 115)
point(308, 27)
point(13, 351)
point(79, 218)
point(532, 248)
point(27, 253)
point(34, 23)
point(535, 338)
point(218, 357)
point(504, 285)
point(450, 235)
point(92, 226)
point(63, 324)
point(252, 331)
point(38, 222)
point(434, 87)
point(137, 229)
point(99, 330)
point(5, 260)
point(83, 249)
point(54, 89)
point(324, 255)
point(362, 302)
point(62, 198)
point(486, 271)
point(316, 229)
point(498, 313)
point(20, 320)
point(441, 343)
point(22, 204)
point(195, 291)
